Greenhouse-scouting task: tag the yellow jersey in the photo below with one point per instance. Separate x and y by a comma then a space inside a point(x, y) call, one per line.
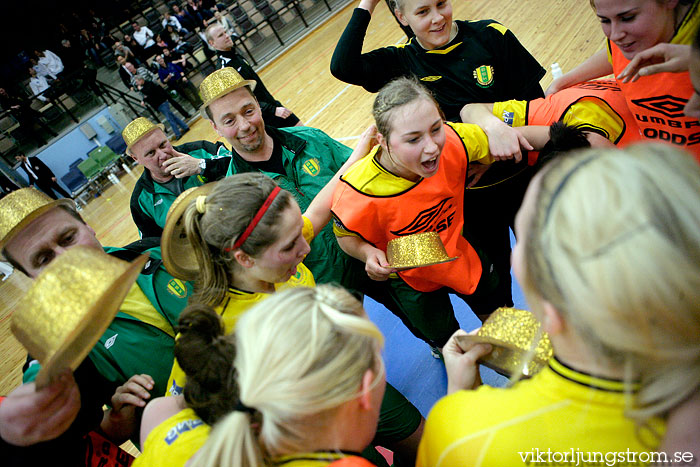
point(174, 441)
point(559, 416)
point(237, 302)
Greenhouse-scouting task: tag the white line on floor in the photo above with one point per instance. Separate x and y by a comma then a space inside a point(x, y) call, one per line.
point(307, 122)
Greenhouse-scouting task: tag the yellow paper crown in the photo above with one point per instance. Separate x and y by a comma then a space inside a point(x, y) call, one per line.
point(519, 343)
point(70, 305)
point(21, 207)
point(177, 251)
point(220, 83)
point(417, 250)
point(137, 129)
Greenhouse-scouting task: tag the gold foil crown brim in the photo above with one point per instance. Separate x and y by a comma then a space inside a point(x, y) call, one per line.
point(70, 305)
point(19, 208)
point(519, 343)
point(177, 252)
point(220, 83)
point(137, 129)
point(411, 251)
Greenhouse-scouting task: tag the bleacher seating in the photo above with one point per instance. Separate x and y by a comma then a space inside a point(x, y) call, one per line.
point(89, 167)
point(116, 143)
point(264, 28)
point(103, 156)
point(74, 179)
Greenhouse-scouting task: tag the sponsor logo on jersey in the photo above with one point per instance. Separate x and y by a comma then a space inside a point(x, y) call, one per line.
point(484, 76)
point(311, 167)
point(177, 288)
point(430, 78)
point(175, 390)
point(599, 85)
point(182, 427)
point(433, 219)
point(508, 117)
point(110, 342)
point(669, 106)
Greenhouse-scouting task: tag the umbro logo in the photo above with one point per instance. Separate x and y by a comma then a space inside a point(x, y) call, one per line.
point(670, 106)
point(110, 342)
point(436, 218)
point(599, 85)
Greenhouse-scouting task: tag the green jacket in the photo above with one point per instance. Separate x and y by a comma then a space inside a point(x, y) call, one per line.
point(150, 200)
point(311, 158)
point(130, 346)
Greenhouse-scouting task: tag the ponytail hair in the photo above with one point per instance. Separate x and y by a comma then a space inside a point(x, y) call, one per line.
point(206, 356)
point(301, 354)
point(213, 227)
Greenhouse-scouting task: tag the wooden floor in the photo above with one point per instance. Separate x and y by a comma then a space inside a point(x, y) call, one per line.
point(563, 31)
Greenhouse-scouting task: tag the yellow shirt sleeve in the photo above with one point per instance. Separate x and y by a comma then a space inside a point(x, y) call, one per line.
point(513, 113)
point(308, 230)
point(339, 229)
point(475, 140)
point(595, 114)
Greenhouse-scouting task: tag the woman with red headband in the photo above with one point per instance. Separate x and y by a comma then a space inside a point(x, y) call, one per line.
point(250, 237)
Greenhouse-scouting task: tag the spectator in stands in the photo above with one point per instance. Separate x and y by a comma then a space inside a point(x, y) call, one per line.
point(39, 85)
point(40, 175)
point(194, 7)
point(186, 20)
point(273, 112)
point(135, 47)
point(50, 61)
point(99, 27)
point(67, 33)
point(175, 39)
point(157, 98)
point(162, 43)
point(91, 45)
point(73, 57)
point(132, 72)
point(177, 58)
point(75, 65)
point(145, 38)
point(40, 69)
point(170, 20)
point(174, 77)
point(122, 50)
point(27, 117)
point(102, 35)
point(127, 72)
point(224, 21)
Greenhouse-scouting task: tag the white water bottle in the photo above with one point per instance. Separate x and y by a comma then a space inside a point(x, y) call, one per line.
point(556, 71)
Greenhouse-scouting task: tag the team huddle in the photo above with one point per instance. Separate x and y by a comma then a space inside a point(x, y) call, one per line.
point(241, 339)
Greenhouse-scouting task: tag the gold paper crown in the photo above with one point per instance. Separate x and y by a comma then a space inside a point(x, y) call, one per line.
point(137, 129)
point(70, 305)
point(220, 83)
point(417, 250)
point(21, 207)
point(177, 252)
point(515, 335)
